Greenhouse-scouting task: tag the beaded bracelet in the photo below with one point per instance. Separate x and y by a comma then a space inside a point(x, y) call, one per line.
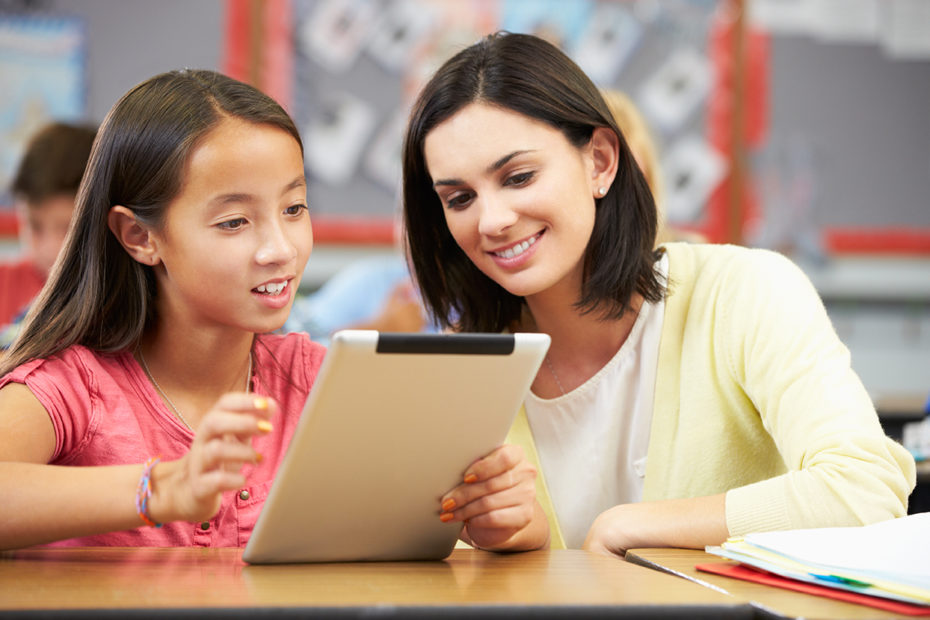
point(144, 491)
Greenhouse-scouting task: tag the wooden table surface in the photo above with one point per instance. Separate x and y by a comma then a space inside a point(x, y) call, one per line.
point(777, 600)
point(201, 579)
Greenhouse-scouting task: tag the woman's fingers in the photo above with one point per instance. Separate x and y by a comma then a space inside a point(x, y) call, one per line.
point(502, 459)
point(500, 481)
point(469, 501)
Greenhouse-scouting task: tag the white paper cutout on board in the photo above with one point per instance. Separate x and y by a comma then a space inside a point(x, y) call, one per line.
point(398, 32)
point(852, 21)
point(782, 16)
point(336, 137)
point(336, 32)
point(383, 161)
point(607, 43)
point(676, 89)
point(692, 170)
point(906, 31)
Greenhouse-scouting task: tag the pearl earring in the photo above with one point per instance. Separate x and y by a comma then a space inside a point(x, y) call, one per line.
point(601, 191)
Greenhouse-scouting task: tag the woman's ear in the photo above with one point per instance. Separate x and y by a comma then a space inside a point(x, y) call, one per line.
point(132, 235)
point(605, 154)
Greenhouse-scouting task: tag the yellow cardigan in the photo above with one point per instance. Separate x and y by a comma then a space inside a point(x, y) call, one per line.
point(755, 397)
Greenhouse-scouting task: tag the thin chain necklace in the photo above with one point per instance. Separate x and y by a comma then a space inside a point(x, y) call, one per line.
point(551, 370)
point(148, 373)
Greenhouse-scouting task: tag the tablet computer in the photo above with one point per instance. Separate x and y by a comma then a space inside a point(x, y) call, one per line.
point(390, 425)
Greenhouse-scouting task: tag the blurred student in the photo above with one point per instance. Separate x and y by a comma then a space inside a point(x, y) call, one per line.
point(44, 190)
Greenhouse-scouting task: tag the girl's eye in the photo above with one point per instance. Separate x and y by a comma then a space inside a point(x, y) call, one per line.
point(519, 179)
point(235, 224)
point(295, 209)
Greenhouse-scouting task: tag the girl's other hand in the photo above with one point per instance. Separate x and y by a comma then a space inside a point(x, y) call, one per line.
point(497, 501)
point(191, 488)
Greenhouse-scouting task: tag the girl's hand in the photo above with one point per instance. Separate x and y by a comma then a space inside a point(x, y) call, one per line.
point(497, 503)
point(191, 488)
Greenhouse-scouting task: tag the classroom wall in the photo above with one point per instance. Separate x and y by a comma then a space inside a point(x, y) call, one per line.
point(131, 40)
point(859, 116)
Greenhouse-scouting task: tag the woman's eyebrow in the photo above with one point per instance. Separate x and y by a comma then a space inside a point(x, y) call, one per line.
point(500, 163)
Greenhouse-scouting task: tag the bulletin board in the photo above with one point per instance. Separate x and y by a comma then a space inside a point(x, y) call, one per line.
point(845, 166)
point(748, 114)
point(42, 69)
point(357, 65)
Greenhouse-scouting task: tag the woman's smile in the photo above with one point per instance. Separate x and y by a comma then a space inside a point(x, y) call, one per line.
point(519, 202)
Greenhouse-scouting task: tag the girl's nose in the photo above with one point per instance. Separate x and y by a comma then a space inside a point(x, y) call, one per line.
point(275, 247)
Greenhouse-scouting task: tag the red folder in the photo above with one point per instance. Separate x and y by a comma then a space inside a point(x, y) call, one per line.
point(739, 571)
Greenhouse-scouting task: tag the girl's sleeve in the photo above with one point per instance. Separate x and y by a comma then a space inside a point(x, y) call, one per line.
point(842, 468)
point(66, 391)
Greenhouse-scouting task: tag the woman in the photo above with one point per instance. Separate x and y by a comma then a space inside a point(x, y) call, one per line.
point(690, 393)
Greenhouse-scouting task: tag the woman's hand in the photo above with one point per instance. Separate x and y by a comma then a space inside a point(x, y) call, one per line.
point(191, 488)
point(613, 531)
point(497, 503)
point(690, 523)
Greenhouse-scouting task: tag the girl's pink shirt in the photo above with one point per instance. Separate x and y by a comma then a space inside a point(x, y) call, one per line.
point(106, 412)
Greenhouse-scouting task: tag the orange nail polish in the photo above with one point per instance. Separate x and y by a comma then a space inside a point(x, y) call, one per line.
point(259, 458)
point(471, 478)
point(260, 402)
point(446, 517)
point(448, 505)
point(264, 426)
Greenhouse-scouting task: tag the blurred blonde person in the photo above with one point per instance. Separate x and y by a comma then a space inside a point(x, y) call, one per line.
point(643, 146)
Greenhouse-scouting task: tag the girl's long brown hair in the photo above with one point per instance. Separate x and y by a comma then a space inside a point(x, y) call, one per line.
point(97, 295)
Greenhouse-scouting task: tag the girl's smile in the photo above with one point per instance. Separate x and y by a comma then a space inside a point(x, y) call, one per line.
point(275, 295)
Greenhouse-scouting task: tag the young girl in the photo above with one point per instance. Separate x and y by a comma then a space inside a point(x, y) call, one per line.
point(145, 402)
point(691, 392)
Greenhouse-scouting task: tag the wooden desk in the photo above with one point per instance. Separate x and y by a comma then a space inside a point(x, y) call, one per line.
point(157, 582)
point(775, 600)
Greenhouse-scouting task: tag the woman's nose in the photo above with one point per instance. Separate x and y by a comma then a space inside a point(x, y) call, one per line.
point(495, 216)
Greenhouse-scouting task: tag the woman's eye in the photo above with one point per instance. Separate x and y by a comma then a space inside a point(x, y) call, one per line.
point(235, 224)
point(519, 179)
point(458, 201)
point(295, 209)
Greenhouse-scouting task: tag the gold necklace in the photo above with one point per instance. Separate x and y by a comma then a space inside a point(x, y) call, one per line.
point(554, 376)
point(148, 373)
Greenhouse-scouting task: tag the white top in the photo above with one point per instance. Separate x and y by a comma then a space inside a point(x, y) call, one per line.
point(592, 441)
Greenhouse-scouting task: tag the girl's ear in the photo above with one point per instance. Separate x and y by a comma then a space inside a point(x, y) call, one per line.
point(132, 235)
point(605, 153)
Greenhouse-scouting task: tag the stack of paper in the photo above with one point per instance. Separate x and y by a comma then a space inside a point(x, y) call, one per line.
point(890, 559)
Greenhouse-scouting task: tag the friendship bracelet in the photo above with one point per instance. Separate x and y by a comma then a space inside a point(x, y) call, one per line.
point(144, 491)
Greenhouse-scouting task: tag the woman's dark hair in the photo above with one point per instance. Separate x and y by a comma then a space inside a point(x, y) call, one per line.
point(97, 295)
point(525, 74)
